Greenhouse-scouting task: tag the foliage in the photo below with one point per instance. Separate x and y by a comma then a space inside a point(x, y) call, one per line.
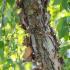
point(60, 21)
point(11, 37)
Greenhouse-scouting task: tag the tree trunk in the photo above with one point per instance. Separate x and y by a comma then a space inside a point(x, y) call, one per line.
point(44, 42)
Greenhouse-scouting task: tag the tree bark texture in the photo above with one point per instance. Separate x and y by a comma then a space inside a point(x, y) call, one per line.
point(44, 42)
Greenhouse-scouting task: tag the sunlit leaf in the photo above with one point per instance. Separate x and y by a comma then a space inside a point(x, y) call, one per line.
point(28, 66)
point(14, 56)
point(17, 67)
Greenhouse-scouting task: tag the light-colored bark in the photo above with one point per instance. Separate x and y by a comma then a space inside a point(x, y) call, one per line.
point(44, 42)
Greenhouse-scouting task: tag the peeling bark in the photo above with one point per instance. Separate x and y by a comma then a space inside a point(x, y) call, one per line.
point(44, 42)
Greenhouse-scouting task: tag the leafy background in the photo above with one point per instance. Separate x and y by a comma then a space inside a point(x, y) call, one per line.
point(12, 35)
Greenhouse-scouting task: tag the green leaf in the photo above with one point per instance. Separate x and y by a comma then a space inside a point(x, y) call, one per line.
point(3, 32)
point(1, 53)
point(64, 4)
point(5, 19)
point(7, 64)
point(57, 2)
point(0, 2)
point(1, 44)
point(9, 61)
point(63, 49)
point(11, 2)
point(1, 49)
point(68, 19)
point(62, 28)
point(14, 45)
